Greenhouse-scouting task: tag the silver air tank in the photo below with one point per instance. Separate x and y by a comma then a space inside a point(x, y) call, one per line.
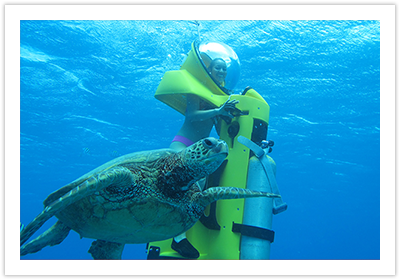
point(257, 211)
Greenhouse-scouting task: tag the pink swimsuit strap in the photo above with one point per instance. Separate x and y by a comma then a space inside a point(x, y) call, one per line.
point(187, 142)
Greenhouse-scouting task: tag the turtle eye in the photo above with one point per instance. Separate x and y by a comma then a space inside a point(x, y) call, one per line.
point(208, 142)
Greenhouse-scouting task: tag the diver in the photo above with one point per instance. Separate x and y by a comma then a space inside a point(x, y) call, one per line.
point(200, 117)
point(217, 69)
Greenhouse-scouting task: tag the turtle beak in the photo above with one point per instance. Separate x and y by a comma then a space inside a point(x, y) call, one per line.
point(217, 146)
point(222, 148)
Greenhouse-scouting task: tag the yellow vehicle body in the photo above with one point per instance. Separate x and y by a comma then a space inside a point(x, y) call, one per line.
point(175, 86)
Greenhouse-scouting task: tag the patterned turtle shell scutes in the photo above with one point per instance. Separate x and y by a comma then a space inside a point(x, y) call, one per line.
point(118, 194)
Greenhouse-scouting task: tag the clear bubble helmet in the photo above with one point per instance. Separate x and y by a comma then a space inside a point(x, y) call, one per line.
point(211, 51)
point(194, 77)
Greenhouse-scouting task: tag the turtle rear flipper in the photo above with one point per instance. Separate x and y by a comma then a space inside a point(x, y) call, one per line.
point(104, 250)
point(53, 236)
point(117, 176)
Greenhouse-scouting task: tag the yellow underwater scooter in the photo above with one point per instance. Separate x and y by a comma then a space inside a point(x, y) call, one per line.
point(230, 229)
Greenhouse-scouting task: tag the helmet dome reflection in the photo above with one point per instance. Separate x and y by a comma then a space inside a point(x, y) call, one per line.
point(221, 63)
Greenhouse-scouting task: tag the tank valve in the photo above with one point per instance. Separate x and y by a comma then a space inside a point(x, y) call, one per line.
point(267, 144)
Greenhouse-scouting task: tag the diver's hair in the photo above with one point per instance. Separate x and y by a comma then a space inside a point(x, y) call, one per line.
point(213, 63)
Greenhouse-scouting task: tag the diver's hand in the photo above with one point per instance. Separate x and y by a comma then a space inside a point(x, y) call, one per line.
point(229, 108)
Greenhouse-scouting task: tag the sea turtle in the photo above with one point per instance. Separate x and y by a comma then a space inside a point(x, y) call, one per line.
point(137, 198)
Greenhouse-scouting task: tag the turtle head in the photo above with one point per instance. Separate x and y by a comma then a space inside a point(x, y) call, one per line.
point(205, 156)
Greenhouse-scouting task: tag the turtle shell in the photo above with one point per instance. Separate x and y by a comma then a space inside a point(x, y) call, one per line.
point(139, 212)
point(145, 158)
point(129, 218)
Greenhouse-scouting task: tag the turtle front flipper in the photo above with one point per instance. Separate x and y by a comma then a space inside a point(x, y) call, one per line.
point(217, 193)
point(116, 176)
point(53, 236)
point(104, 250)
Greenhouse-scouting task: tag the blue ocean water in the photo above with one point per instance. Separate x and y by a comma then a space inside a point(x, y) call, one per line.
point(87, 96)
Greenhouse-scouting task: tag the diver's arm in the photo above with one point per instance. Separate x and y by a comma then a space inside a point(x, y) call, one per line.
point(194, 113)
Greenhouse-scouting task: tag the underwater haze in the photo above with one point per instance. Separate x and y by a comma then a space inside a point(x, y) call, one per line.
point(87, 96)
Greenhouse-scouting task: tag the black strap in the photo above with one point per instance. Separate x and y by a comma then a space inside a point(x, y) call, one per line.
point(154, 254)
point(210, 221)
point(253, 231)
